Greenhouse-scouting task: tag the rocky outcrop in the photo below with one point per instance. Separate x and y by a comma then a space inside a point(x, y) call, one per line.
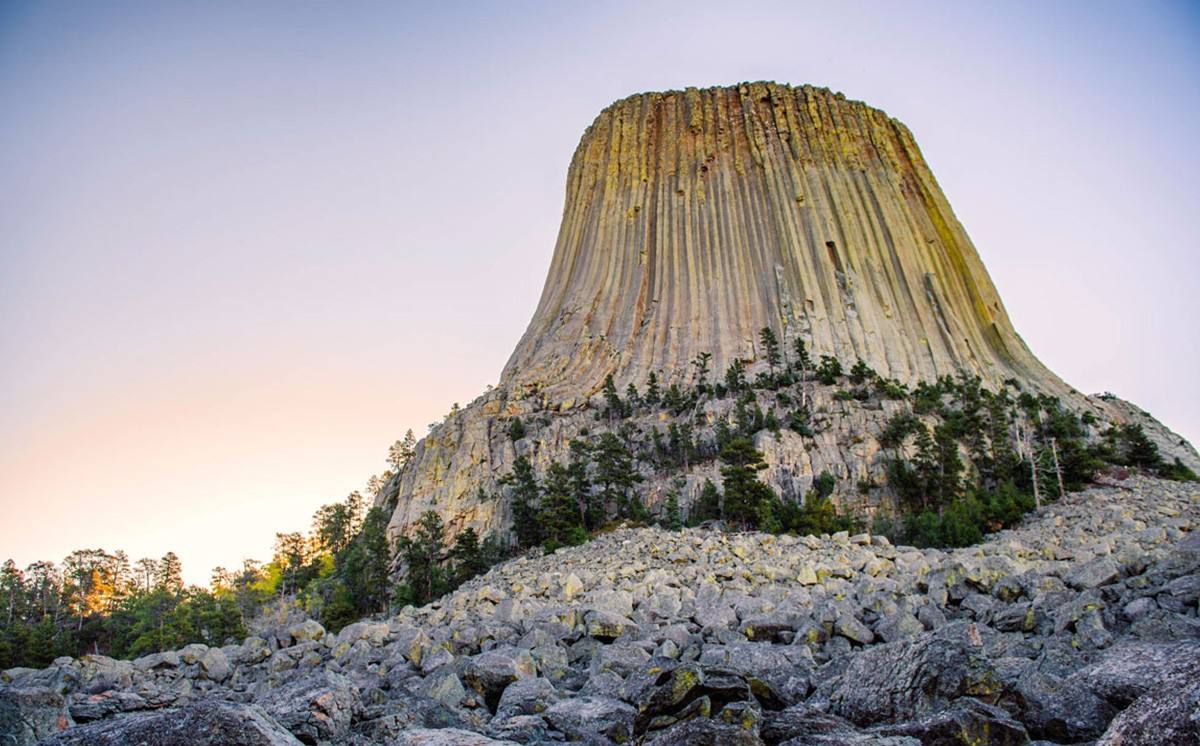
point(692, 220)
point(1079, 624)
point(695, 218)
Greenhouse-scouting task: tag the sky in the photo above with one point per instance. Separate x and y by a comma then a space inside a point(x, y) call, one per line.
point(245, 246)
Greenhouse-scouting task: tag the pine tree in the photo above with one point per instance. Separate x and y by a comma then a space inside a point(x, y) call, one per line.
point(735, 376)
point(1139, 450)
point(516, 429)
point(708, 505)
point(591, 513)
point(700, 367)
point(672, 518)
point(366, 565)
point(653, 393)
point(861, 373)
point(803, 362)
point(614, 408)
point(422, 553)
point(525, 499)
point(615, 473)
point(948, 484)
point(170, 573)
point(632, 399)
point(467, 557)
point(770, 344)
point(747, 500)
point(402, 451)
point(558, 515)
point(829, 370)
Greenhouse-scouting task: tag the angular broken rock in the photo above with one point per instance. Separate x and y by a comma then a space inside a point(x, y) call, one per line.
point(200, 724)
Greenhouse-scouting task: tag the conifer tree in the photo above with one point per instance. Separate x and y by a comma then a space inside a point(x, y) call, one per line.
point(747, 500)
point(466, 556)
point(770, 344)
point(614, 408)
point(700, 367)
point(525, 499)
point(653, 394)
point(558, 515)
point(615, 473)
point(422, 554)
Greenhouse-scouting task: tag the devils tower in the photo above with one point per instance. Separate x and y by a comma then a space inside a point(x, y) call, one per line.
point(693, 220)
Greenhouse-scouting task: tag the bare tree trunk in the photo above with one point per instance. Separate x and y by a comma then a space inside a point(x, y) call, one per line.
point(1025, 440)
point(1057, 467)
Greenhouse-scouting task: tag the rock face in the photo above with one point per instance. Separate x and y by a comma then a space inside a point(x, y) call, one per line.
point(698, 637)
point(693, 219)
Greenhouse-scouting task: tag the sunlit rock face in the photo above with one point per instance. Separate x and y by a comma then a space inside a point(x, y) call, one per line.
point(692, 220)
point(695, 218)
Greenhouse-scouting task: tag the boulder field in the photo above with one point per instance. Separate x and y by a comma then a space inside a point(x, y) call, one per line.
point(1078, 626)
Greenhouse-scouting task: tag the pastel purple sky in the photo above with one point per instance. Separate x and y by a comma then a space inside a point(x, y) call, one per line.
point(244, 246)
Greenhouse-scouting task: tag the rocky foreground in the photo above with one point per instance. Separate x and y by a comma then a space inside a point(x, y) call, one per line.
point(1080, 626)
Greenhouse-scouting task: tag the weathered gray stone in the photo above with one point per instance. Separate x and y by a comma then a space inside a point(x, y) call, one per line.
point(912, 678)
point(445, 737)
point(1167, 714)
point(199, 724)
point(965, 722)
point(1094, 574)
point(582, 718)
point(28, 716)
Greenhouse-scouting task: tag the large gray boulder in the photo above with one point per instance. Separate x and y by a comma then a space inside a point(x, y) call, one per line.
point(445, 737)
point(1059, 709)
point(200, 724)
point(912, 678)
point(1129, 671)
point(1167, 714)
point(317, 707)
point(591, 718)
point(30, 715)
point(966, 722)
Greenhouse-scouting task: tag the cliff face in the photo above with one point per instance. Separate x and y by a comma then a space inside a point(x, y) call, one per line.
point(694, 219)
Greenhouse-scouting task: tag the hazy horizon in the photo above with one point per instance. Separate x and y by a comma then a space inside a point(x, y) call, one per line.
point(244, 248)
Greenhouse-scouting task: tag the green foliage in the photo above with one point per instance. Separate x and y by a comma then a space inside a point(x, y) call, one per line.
point(803, 361)
point(516, 429)
point(525, 502)
point(829, 370)
point(615, 473)
point(862, 373)
point(672, 517)
point(613, 406)
point(466, 556)
point(708, 505)
point(965, 520)
point(1136, 447)
point(653, 394)
point(770, 344)
point(897, 430)
point(800, 420)
point(559, 516)
point(735, 376)
point(422, 554)
point(1178, 471)
point(748, 502)
point(700, 366)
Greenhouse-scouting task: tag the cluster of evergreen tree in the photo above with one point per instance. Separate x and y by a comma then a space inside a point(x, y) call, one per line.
point(433, 566)
point(96, 601)
point(963, 459)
